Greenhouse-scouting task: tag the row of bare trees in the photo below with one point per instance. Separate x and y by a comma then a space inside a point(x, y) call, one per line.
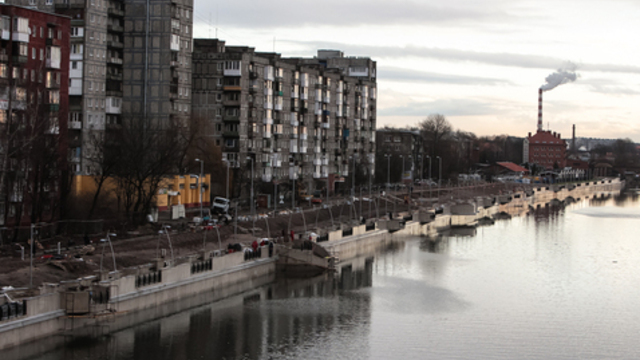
point(134, 160)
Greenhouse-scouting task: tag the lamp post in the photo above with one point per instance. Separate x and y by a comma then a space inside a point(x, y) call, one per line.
point(228, 166)
point(251, 199)
point(200, 184)
point(386, 203)
point(353, 178)
point(32, 240)
point(439, 170)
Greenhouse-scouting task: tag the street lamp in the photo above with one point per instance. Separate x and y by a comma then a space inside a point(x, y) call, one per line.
point(200, 184)
point(353, 178)
point(251, 204)
point(228, 166)
point(386, 203)
point(439, 170)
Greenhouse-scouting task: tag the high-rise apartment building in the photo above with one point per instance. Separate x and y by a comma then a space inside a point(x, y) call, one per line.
point(297, 118)
point(129, 59)
point(34, 72)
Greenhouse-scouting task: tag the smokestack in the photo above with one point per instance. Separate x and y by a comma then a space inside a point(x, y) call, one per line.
point(540, 109)
point(573, 139)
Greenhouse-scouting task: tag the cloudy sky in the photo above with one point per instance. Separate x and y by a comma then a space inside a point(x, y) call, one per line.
point(480, 63)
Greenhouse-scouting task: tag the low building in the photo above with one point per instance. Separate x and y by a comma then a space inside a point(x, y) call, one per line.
point(399, 149)
point(546, 149)
point(173, 190)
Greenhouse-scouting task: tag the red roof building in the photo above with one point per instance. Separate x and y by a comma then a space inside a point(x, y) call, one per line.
point(513, 167)
point(34, 93)
point(546, 149)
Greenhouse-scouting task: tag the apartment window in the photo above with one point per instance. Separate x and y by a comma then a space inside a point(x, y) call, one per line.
point(41, 54)
point(76, 49)
point(49, 2)
point(218, 97)
point(33, 53)
point(3, 71)
point(74, 65)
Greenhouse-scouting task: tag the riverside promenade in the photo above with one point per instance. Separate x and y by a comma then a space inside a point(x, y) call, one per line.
point(108, 301)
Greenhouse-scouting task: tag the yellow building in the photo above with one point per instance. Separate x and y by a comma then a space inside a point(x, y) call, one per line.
point(174, 190)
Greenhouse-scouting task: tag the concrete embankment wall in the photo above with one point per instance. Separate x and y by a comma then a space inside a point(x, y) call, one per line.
point(364, 243)
point(132, 302)
point(43, 318)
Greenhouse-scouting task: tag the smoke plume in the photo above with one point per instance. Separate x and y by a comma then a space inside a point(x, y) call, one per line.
point(564, 75)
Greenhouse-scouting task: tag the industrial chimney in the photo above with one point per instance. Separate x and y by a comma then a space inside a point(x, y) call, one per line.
point(573, 140)
point(540, 109)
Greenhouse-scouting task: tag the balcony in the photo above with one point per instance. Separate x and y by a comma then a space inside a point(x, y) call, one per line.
point(232, 88)
point(115, 60)
point(266, 178)
point(116, 77)
point(53, 64)
point(52, 42)
point(231, 118)
point(231, 134)
point(51, 107)
point(232, 103)
point(115, 44)
point(20, 59)
point(115, 28)
point(75, 125)
point(232, 72)
point(4, 58)
point(115, 12)
point(253, 75)
point(267, 121)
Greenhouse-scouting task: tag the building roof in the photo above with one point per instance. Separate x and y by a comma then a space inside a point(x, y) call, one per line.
point(512, 167)
point(546, 137)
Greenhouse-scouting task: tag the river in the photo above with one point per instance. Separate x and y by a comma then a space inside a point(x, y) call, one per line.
point(557, 283)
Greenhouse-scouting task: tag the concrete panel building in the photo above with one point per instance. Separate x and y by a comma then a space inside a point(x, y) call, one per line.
point(298, 118)
point(34, 73)
point(129, 59)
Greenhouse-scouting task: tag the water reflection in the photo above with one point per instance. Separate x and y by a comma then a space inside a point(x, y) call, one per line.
point(285, 318)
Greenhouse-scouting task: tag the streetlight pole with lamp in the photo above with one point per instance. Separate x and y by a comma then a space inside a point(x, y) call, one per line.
point(386, 203)
point(251, 199)
point(200, 185)
point(228, 166)
point(439, 170)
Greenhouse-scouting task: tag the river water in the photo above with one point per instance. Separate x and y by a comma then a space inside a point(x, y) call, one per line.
point(557, 283)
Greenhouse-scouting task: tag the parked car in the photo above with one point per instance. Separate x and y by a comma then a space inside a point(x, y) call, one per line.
point(220, 205)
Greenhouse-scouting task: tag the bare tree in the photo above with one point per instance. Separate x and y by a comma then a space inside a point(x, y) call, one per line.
point(435, 130)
